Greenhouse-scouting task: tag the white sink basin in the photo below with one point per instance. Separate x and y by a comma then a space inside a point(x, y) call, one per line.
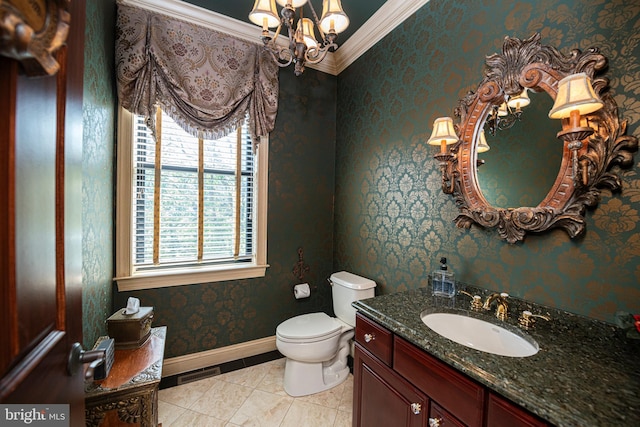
point(480, 335)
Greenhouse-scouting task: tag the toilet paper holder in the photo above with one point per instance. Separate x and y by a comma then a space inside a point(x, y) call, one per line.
point(301, 290)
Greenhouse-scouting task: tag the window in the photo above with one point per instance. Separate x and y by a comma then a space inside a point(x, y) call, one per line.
point(192, 211)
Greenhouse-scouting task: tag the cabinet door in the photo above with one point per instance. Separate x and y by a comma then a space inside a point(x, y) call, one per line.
point(454, 391)
point(382, 398)
point(438, 417)
point(502, 413)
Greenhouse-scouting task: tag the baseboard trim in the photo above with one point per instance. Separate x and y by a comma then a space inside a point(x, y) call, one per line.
point(217, 356)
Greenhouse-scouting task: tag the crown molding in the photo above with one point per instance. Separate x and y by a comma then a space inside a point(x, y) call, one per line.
point(390, 15)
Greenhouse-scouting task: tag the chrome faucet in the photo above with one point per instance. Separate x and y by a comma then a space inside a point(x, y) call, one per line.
point(501, 304)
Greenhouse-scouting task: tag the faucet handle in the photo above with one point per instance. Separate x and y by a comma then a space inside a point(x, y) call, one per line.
point(527, 319)
point(476, 300)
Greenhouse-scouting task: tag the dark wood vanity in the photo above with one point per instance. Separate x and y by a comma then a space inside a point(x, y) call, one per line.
point(396, 383)
point(585, 372)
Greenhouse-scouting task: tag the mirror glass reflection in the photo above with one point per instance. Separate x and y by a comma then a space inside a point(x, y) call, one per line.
point(517, 174)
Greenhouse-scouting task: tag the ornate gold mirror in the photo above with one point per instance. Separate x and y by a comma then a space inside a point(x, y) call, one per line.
point(592, 142)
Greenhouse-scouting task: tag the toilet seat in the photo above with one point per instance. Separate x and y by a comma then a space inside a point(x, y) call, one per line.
point(308, 328)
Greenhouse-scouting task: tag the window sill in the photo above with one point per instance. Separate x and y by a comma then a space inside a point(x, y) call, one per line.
point(188, 276)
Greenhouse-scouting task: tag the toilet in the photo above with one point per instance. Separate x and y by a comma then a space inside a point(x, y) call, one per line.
point(316, 346)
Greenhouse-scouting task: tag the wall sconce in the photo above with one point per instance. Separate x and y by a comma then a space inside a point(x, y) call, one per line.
point(575, 98)
point(444, 134)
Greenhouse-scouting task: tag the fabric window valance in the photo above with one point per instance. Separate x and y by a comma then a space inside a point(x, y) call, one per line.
point(205, 80)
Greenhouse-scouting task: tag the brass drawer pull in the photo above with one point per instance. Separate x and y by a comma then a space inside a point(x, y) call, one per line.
point(369, 337)
point(435, 422)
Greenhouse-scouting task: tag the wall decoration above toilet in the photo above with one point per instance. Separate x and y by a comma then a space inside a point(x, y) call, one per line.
point(300, 268)
point(316, 346)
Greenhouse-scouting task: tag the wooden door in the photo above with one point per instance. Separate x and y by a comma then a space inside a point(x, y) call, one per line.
point(382, 398)
point(40, 202)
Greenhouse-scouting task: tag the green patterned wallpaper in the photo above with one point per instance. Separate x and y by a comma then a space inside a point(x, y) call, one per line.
point(392, 221)
point(301, 182)
point(97, 169)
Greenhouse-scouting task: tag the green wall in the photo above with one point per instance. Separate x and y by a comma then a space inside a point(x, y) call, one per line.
point(97, 169)
point(392, 221)
point(301, 182)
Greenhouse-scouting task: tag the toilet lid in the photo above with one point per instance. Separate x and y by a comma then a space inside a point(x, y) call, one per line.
point(306, 326)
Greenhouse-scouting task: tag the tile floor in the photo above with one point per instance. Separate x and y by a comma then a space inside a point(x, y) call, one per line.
point(253, 396)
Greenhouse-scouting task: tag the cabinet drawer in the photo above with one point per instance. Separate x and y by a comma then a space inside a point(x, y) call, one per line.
point(374, 338)
point(452, 390)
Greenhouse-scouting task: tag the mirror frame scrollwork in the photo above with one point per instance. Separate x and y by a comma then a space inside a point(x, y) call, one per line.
point(32, 31)
point(528, 64)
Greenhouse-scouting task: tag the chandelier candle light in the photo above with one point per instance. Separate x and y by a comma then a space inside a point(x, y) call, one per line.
point(303, 46)
point(504, 116)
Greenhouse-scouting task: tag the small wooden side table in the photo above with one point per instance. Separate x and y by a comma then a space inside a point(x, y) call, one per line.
point(129, 395)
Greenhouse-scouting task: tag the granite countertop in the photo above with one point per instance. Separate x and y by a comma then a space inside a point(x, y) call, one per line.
point(587, 372)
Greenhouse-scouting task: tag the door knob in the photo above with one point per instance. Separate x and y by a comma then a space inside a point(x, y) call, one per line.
point(79, 357)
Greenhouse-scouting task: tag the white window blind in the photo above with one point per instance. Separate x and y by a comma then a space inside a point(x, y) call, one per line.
point(193, 199)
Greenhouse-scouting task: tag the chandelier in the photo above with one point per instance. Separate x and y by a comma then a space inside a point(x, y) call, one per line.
point(504, 116)
point(303, 47)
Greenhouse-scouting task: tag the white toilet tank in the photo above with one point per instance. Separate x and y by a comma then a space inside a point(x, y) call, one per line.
point(347, 287)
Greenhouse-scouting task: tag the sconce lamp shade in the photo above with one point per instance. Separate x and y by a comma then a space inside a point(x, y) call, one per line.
point(308, 34)
point(333, 17)
point(519, 101)
point(293, 3)
point(483, 147)
point(264, 14)
point(443, 133)
point(575, 92)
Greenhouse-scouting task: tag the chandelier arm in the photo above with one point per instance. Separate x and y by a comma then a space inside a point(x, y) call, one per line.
point(281, 55)
point(317, 21)
point(315, 55)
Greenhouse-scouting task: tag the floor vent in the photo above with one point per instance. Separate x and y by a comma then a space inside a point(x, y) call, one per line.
point(198, 375)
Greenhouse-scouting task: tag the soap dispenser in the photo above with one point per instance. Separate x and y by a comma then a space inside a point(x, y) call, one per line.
point(443, 281)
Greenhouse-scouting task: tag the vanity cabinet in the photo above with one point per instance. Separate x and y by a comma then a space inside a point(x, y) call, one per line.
point(386, 399)
point(396, 383)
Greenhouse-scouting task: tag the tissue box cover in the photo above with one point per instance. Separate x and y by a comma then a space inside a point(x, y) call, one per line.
point(130, 330)
point(107, 345)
